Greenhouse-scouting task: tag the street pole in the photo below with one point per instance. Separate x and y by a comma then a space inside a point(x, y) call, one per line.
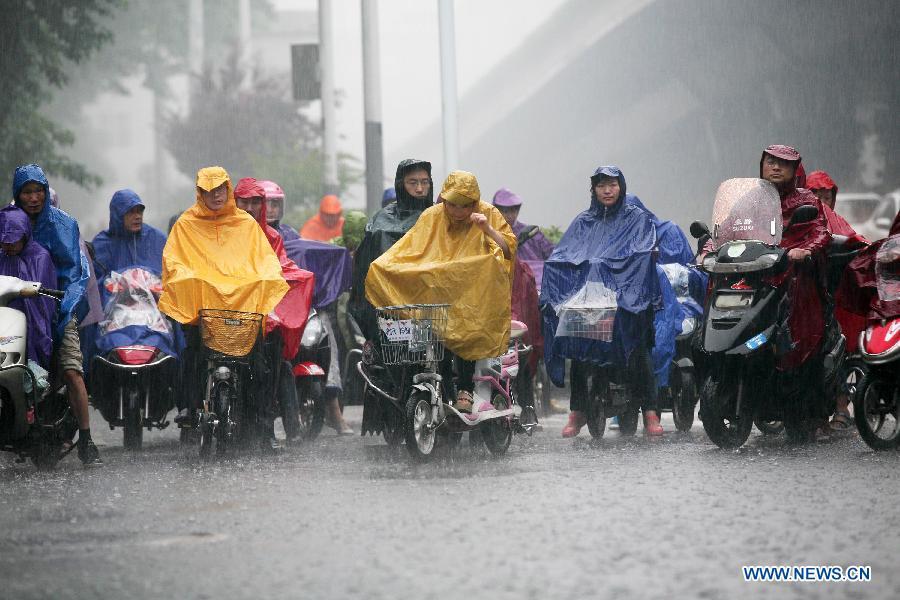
point(448, 85)
point(326, 64)
point(372, 105)
point(195, 42)
point(246, 48)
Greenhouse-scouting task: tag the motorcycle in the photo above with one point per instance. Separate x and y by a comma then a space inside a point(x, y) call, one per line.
point(309, 370)
point(402, 377)
point(132, 384)
point(876, 403)
point(735, 347)
point(234, 408)
point(36, 421)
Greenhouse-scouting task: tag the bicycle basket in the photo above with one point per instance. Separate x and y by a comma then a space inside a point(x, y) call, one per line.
point(229, 331)
point(588, 323)
point(412, 333)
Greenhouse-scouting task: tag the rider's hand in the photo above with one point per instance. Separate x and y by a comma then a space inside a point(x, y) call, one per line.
point(799, 254)
point(480, 221)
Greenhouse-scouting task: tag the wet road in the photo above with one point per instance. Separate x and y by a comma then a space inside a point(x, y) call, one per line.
point(348, 518)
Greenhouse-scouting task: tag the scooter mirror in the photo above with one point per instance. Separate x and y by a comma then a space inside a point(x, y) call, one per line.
point(699, 229)
point(804, 214)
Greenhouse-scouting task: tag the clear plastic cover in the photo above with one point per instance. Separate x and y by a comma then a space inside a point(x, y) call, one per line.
point(132, 298)
point(590, 313)
point(679, 277)
point(887, 269)
point(747, 209)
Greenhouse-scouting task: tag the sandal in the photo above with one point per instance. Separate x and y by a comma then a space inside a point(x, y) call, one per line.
point(463, 402)
point(841, 422)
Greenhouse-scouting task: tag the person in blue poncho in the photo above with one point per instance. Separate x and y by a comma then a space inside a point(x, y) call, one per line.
point(129, 241)
point(58, 233)
point(607, 250)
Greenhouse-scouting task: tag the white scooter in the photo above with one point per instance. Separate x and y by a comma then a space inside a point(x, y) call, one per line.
point(34, 423)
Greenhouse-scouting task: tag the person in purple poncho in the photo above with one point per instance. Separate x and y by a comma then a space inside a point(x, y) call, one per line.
point(22, 257)
point(534, 251)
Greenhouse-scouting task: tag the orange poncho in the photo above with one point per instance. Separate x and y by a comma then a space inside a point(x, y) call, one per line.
point(316, 229)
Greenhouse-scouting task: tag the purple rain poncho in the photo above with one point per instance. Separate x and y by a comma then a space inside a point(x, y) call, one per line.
point(33, 263)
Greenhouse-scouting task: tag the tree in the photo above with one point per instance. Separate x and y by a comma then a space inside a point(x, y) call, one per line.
point(259, 133)
point(39, 43)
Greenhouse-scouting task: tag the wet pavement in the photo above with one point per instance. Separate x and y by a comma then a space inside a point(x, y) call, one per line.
point(346, 517)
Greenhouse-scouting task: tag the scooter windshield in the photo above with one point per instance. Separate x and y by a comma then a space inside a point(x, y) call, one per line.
point(132, 296)
point(746, 209)
point(887, 269)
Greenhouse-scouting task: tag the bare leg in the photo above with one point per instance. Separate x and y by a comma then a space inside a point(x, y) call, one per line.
point(334, 418)
point(78, 397)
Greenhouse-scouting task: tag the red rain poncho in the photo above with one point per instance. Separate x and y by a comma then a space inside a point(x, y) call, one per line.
point(857, 292)
point(291, 313)
point(851, 323)
point(805, 280)
point(525, 308)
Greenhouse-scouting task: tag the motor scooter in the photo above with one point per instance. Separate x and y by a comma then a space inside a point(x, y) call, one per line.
point(36, 421)
point(133, 384)
point(743, 327)
point(876, 401)
point(402, 376)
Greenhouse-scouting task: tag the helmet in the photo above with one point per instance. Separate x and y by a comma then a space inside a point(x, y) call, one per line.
point(274, 200)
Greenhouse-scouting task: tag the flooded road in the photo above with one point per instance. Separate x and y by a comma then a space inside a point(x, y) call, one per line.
point(347, 517)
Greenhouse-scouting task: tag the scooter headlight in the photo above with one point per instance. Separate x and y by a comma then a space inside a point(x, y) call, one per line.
point(222, 374)
point(313, 333)
point(688, 325)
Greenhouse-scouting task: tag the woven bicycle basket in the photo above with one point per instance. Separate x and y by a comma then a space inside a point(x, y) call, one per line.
point(230, 332)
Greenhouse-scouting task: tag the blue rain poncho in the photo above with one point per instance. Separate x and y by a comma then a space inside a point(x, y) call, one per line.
point(605, 253)
point(329, 263)
point(131, 315)
point(58, 233)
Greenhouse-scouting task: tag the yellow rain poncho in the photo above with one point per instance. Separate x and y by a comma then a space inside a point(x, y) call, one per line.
point(439, 262)
point(218, 260)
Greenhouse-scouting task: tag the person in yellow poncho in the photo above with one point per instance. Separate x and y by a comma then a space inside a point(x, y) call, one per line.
point(216, 257)
point(459, 252)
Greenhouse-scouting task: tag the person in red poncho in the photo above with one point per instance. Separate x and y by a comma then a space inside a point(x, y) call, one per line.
point(326, 224)
point(807, 297)
point(290, 315)
point(823, 186)
point(857, 292)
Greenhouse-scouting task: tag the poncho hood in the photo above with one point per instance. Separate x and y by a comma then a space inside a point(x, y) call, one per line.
point(436, 262)
point(404, 200)
point(818, 180)
point(58, 233)
point(218, 259)
point(316, 229)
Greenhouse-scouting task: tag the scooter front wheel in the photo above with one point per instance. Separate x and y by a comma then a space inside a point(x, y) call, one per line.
point(418, 431)
point(684, 401)
point(596, 416)
point(876, 409)
point(725, 428)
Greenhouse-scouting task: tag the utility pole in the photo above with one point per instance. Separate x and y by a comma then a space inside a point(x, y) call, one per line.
point(448, 85)
point(372, 105)
point(195, 42)
point(326, 64)
point(246, 45)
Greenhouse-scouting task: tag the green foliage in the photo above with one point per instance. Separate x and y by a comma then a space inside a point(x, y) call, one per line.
point(39, 43)
point(257, 133)
point(552, 233)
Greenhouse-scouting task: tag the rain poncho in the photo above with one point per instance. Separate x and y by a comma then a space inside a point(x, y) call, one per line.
point(604, 259)
point(533, 251)
point(129, 296)
point(316, 228)
point(439, 262)
point(525, 309)
point(384, 229)
point(218, 260)
point(806, 317)
point(115, 248)
point(33, 263)
point(858, 290)
point(58, 233)
point(291, 313)
point(329, 263)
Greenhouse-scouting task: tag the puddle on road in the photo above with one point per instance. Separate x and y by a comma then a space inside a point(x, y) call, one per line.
point(200, 537)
